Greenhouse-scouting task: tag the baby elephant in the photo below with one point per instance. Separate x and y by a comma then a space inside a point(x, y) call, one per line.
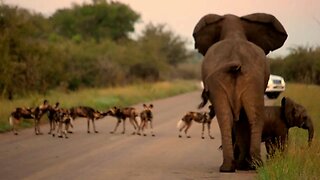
point(278, 121)
point(199, 117)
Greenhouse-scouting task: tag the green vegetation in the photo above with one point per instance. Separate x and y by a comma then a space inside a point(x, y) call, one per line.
point(301, 161)
point(98, 98)
point(85, 46)
point(302, 65)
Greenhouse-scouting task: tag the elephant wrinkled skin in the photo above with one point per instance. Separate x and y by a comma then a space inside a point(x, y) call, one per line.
point(235, 73)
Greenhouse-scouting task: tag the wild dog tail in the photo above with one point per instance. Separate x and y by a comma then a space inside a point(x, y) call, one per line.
point(11, 121)
point(180, 124)
point(204, 97)
point(71, 122)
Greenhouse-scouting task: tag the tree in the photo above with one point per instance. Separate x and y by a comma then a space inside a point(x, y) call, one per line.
point(98, 20)
point(172, 46)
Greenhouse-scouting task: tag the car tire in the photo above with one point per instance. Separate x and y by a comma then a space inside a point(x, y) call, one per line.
point(273, 95)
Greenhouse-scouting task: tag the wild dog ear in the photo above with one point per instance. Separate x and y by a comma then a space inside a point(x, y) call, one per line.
point(144, 105)
point(151, 106)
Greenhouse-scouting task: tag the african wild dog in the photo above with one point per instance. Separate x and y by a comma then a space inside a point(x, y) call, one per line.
point(199, 117)
point(62, 118)
point(53, 116)
point(87, 112)
point(122, 115)
point(145, 117)
point(28, 113)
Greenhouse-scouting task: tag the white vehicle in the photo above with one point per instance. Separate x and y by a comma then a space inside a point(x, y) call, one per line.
point(276, 85)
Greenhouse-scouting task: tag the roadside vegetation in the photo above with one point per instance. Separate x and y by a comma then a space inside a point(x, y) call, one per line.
point(301, 161)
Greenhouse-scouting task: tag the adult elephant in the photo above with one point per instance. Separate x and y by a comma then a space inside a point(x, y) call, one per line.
point(235, 73)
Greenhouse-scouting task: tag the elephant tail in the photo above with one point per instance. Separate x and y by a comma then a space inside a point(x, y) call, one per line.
point(205, 98)
point(233, 67)
point(180, 124)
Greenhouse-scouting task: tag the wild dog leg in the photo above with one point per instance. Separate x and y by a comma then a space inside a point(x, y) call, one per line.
point(116, 127)
point(203, 127)
point(186, 130)
point(70, 124)
point(65, 132)
point(181, 129)
point(134, 124)
point(94, 126)
point(140, 127)
point(60, 130)
point(209, 133)
point(151, 128)
point(124, 126)
point(13, 122)
point(88, 125)
point(37, 127)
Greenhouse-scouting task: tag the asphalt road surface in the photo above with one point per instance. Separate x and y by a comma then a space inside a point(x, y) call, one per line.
point(117, 156)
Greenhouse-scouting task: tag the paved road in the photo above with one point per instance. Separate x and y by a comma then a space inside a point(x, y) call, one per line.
point(117, 156)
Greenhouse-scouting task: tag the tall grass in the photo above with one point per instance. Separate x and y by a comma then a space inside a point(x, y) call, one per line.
point(300, 161)
point(100, 99)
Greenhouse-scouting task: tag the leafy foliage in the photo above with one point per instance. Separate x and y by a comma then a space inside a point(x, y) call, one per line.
point(301, 65)
point(84, 46)
point(98, 20)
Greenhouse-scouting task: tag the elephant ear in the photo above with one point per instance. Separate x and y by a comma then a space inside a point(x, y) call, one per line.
point(264, 30)
point(289, 111)
point(207, 32)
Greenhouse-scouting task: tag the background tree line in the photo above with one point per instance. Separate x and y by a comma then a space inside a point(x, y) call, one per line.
point(87, 45)
point(302, 65)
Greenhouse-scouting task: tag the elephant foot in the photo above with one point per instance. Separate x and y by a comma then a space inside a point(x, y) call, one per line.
point(243, 166)
point(227, 167)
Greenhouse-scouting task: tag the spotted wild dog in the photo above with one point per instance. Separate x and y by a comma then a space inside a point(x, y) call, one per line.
point(53, 115)
point(121, 115)
point(87, 112)
point(199, 117)
point(28, 113)
point(62, 118)
point(146, 117)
